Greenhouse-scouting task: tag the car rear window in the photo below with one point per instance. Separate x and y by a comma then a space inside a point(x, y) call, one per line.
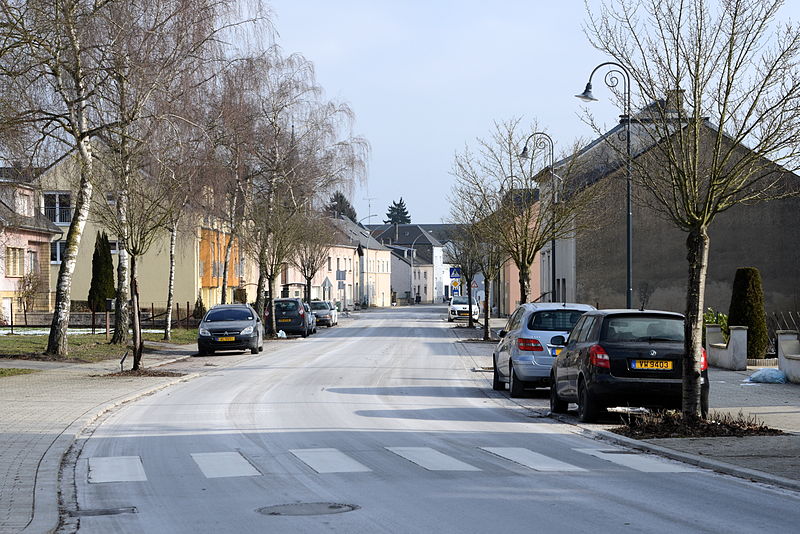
point(229, 315)
point(459, 300)
point(554, 320)
point(319, 306)
point(285, 305)
point(644, 328)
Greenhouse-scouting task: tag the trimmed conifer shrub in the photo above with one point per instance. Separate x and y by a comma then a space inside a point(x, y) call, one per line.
point(747, 309)
point(102, 284)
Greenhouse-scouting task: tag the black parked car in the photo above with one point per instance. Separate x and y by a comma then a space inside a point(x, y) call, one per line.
point(622, 358)
point(230, 327)
point(294, 316)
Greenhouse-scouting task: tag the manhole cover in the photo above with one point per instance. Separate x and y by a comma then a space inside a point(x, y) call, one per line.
point(102, 511)
point(308, 508)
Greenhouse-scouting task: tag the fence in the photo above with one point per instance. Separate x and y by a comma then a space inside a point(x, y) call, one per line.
point(781, 321)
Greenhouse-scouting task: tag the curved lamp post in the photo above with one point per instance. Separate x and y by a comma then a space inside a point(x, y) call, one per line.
point(612, 79)
point(543, 141)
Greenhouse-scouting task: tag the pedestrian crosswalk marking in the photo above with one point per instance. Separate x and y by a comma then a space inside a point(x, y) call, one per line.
point(431, 459)
point(534, 460)
point(639, 462)
point(104, 469)
point(224, 464)
point(329, 461)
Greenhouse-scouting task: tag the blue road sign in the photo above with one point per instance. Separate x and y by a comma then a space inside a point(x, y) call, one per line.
point(455, 272)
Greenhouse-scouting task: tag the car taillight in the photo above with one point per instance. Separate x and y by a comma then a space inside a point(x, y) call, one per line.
point(704, 361)
point(525, 343)
point(599, 357)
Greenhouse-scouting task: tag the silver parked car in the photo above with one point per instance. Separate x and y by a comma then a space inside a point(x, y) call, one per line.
point(525, 353)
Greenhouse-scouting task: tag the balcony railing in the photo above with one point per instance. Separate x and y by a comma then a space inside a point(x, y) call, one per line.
point(58, 215)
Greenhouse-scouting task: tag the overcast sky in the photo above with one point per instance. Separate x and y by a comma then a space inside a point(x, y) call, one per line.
point(424, 77)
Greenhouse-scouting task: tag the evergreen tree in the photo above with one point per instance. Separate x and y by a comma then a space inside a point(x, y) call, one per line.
point(747, 309)
point(340, 205)
point(102, 286)
point(397, 214)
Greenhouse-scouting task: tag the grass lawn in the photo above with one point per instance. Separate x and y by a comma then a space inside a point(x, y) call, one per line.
point(12, 372)
point(81, 347)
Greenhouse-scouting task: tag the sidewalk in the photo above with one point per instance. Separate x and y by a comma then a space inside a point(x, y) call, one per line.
point(42, 413)
point(771, 459)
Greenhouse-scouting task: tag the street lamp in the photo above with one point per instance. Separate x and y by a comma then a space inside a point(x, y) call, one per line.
point(366, 246)
point(411, 277)
point(543, 141)
point(612, 80)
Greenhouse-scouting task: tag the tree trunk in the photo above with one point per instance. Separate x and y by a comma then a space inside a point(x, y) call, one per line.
point(57, 341)
point(697, 244)
point(468, 288)
point(308, 290)
point(226, 259)
point(262, 279)
point(121, 312)
point(173, 237)
point(273, 323)
point(487, 286)
point(524, 284)
point(138, 345)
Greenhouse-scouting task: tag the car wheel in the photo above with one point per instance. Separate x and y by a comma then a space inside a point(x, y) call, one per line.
point(449, 319)
point(497, 384)
point(516, 387)
point(304, 333)
point(556, 404)
point(587, 407)
point(254, 349)
point(202, 352)
point(315, 330)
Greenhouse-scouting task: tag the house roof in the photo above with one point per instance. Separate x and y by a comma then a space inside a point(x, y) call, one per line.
point(405, 234)
point(38, 223)
point(399, 253)
point(353, 234)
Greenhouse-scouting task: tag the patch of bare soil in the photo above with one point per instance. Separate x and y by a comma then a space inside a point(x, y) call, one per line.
point(40, 357)
point(671, 425)
point(146, 372)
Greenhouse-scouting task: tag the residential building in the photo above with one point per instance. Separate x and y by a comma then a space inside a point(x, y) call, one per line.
point(760, 235)
point(25, 236)
point(428, 274)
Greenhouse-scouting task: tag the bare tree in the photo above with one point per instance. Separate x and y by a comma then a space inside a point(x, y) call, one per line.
point(52, 62)
point(498, 186)
point(28, 286)
point(728, 134)
point(463, 251)
point(314, 243)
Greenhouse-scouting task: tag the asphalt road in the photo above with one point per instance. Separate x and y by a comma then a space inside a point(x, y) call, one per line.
point(381, 425)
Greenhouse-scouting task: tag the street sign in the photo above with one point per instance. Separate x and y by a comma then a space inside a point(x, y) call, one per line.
point(455, 292)
point(474, 285)
point(455, 283)
point(455, 272)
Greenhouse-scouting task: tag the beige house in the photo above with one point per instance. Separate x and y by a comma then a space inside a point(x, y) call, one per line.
point(199, 251)
point(357, 272)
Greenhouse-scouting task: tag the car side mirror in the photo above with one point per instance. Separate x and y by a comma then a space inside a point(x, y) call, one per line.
point(502, 333)
point(558, 340)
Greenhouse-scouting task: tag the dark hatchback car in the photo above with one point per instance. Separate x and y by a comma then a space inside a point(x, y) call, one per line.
point(293, 316)
point(622, 358)
point(322, 312)
point(230, 327)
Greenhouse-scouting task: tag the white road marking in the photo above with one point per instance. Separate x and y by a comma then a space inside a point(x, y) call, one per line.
point(116, 469)
point(431, 459)
point(531, 459)
point(637, 461)
point(329, 461)
point(224, 464)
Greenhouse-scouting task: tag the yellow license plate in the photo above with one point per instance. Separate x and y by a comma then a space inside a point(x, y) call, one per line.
point(658, 365)
point(226, 339)
point(284, 320)
point(555, 351)
point(463, 313)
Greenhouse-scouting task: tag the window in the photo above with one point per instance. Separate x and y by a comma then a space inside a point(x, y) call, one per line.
point(114, 245)
point(111, 199)
point(23, 203)
point(33, 262)
point(554, 320)
point(15, 262)
point(58, 207)
point(57, 250)
point(338, 266)
point(329, 264)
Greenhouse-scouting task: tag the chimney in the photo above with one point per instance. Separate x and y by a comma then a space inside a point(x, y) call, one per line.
point(674, 100)
point(396, 232)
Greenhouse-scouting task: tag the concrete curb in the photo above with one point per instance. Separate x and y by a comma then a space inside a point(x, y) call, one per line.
point(46, 486)
point(692, 459)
